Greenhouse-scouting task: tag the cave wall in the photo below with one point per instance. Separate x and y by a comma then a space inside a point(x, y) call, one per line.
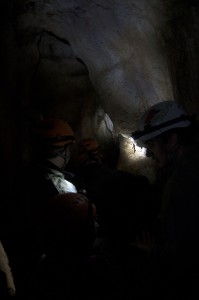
point(182, 51)
point(98, 64)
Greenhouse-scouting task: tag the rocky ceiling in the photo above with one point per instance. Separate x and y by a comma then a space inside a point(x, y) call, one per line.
point(98, 64)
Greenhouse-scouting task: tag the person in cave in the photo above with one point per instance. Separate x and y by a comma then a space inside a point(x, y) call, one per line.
point(170, 136)
point(108, 188)
point(124, 210)
point(35, 191)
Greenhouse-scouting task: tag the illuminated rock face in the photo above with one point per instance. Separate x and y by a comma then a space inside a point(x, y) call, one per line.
point(87, 61)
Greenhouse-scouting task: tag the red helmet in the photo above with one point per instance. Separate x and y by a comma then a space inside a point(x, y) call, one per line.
point(67, 211)
point(54, 132)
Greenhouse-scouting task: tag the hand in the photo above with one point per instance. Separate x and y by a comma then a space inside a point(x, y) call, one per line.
point(145, 241)
point(11, 291)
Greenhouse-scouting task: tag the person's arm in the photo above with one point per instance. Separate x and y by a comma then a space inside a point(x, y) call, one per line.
point(5, 267)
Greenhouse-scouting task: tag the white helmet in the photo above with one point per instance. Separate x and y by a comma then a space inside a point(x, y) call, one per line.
point(160, 118)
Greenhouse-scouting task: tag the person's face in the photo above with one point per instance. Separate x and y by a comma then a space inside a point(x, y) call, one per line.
point(156, 151)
